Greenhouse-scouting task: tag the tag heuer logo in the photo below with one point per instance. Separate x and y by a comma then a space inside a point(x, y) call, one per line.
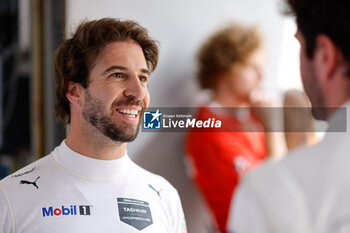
point(135, 213)
point(152, 120)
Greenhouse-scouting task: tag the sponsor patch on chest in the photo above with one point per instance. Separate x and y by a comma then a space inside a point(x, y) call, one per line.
point(135, 213)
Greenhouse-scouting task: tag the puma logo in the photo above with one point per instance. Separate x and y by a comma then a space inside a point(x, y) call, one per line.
point(29, 182)
point(157, 191)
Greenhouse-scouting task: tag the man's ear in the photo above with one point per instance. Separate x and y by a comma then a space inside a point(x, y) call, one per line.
point(74, 93)
point(326, 58)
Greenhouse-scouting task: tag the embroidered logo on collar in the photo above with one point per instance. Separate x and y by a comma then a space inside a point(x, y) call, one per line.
point(155, 190)
point(30, 182)
point(24, 173)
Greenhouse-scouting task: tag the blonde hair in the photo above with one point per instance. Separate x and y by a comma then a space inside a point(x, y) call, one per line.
point(227, 48)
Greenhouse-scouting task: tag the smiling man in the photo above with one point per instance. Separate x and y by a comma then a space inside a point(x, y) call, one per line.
point(88, 183)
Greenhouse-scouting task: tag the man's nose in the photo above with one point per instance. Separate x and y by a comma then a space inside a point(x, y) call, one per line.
point(135, 88)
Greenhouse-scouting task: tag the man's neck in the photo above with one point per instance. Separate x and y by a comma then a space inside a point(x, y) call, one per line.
point(94, 144)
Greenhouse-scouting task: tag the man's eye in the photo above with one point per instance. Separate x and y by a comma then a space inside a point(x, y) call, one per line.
point(143, 79)
point(118, 75)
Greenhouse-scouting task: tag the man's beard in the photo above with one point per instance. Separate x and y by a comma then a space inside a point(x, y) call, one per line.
point(94, 113)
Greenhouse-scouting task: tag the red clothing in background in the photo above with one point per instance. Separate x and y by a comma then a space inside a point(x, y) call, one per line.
point(218, 159)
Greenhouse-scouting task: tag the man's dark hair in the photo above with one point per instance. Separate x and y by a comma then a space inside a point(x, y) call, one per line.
point(75, 56)
point(328, 17)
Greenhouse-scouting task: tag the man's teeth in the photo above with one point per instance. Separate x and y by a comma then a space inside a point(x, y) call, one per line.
point(128, 111)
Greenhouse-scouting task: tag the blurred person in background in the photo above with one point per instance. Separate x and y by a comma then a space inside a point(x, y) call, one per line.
point(231, 64)
point(308, 191)
point(89, 183)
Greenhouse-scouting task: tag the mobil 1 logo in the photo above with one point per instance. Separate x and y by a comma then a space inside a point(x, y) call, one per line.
point(135, 213)
point(66, 210)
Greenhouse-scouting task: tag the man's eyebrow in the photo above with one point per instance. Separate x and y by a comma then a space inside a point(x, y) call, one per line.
point(113, 68)
point(146, 71)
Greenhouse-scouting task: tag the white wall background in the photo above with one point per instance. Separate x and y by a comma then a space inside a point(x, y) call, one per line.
point(181, 26)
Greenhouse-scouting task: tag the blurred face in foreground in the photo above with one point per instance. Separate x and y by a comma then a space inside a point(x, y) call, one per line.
point(310, 81)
